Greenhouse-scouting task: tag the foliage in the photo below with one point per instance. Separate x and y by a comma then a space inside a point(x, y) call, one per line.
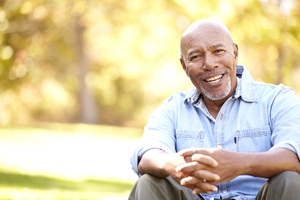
point(119, 59)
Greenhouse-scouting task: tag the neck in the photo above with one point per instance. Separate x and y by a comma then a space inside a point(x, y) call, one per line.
point(214, 106)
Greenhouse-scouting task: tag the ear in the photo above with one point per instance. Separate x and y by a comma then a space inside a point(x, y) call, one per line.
point(183, 65)
point(235, 50)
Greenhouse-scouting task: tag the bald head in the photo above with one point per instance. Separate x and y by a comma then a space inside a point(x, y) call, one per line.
point(209, 58)
point(204, 26)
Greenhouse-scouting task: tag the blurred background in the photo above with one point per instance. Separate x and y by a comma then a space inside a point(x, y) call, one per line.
point(78, 79)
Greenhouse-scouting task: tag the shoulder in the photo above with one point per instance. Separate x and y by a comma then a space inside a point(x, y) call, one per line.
point(273, 89)
point(177, 96)
point(183, 97)
point(177, 102)
point(252, 90)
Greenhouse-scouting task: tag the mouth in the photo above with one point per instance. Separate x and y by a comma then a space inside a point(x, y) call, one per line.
point(213, 79)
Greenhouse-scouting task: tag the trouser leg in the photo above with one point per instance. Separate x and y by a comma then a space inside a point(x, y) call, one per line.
point(283, 186)
point(154, 188)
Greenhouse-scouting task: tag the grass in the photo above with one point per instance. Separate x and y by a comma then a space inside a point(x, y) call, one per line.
point(66, 162)
point(26, 186)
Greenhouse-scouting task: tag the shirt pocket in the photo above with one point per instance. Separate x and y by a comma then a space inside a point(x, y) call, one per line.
point(254, 139)
point(189, 138)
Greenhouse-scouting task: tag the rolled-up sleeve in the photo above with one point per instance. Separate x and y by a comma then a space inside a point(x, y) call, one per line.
point(158, 133)
point(285, 119)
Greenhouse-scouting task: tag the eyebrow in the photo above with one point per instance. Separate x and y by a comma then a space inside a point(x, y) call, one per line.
point(216, 46)
point(194, 51)
point(211, 47)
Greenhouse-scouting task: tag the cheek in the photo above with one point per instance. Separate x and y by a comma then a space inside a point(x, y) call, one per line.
point(191, 72)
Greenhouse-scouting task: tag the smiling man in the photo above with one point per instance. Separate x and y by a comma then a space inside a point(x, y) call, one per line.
point(209, 58)
point(228, 137)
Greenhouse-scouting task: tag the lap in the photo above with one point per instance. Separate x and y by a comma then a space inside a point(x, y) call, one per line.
point(152, 187)
point(285, 185)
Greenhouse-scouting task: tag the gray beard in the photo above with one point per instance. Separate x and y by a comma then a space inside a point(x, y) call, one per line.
point(220, 95)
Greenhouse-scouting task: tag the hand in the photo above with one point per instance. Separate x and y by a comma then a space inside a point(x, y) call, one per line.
point(197, 175)
point(172, 163)
point(161, 164)
point(200, 170)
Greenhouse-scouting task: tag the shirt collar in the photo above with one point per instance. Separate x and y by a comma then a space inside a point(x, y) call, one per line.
point(245, 88)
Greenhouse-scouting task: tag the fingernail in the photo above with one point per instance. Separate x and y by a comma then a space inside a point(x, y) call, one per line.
point(215, 164)
point(215, 189)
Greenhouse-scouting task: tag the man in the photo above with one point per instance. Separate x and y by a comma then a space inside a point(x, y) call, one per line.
point(229, 137)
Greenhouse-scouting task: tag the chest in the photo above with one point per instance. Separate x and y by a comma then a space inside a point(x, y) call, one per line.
point(239, 126)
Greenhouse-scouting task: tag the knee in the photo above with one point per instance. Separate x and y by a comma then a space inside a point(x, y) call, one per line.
point(287, 179)
point(150, 181)
point(284, 185)
point(147, 179)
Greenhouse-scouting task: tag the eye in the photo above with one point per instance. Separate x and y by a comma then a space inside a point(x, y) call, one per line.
point(219, 51)
point(195, 57)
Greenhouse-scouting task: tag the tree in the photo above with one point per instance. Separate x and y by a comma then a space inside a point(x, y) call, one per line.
point(69, 61)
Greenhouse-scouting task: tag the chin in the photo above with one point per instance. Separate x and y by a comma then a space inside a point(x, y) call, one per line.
point(224, 94)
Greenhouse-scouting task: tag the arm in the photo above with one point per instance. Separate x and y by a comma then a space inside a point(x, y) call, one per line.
point(283, 119)
point(270, 163)
point(158, 163)
point(232, 164)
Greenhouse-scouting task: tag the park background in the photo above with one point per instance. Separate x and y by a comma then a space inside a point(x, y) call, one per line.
point(78, 79)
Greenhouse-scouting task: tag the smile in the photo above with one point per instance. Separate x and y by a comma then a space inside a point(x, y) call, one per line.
point(214, 79)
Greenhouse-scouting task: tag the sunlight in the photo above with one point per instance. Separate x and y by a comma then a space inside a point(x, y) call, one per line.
point(75, 156)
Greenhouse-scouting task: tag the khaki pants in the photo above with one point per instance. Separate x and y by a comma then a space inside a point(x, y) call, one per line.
point(284, 186)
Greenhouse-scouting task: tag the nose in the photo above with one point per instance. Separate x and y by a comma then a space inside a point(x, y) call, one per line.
point(209, 62)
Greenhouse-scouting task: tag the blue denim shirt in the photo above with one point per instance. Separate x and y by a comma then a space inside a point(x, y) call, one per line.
point(257, 118)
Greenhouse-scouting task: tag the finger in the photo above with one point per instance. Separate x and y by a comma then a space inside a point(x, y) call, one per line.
point(188, 158)
point(205, 160)
point(206, 175)
point(190, 182)
point(188, 152)
point(195, 165)
point(205, 187)
point(188, 167)
point(199, 176)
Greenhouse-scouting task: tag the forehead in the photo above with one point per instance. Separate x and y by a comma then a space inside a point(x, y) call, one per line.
point(206, 36)
point(202, 42)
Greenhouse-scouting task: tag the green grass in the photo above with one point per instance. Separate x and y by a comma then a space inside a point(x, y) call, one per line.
point(42, 187)
point(25, 183)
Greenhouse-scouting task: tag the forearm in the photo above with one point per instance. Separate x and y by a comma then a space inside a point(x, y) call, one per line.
point(158, 163)
point(270, 163)
point(232, 164)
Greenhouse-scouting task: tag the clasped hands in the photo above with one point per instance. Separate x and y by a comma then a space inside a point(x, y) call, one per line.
point(204, 168)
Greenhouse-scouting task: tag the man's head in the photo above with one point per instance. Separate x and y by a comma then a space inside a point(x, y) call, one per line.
point(209, 58)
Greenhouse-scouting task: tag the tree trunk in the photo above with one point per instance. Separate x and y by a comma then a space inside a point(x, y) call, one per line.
point(87, 111)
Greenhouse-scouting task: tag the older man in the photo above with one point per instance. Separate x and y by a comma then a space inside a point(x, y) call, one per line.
point(228, 137)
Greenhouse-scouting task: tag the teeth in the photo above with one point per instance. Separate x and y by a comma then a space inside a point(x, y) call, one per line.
point(214, 78)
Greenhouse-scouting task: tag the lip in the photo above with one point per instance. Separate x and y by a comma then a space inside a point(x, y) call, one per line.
point(213, 79)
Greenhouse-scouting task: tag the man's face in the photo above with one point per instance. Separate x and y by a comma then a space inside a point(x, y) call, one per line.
point(209, 58)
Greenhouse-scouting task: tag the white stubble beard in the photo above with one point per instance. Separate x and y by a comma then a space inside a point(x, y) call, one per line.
point(218, 96)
